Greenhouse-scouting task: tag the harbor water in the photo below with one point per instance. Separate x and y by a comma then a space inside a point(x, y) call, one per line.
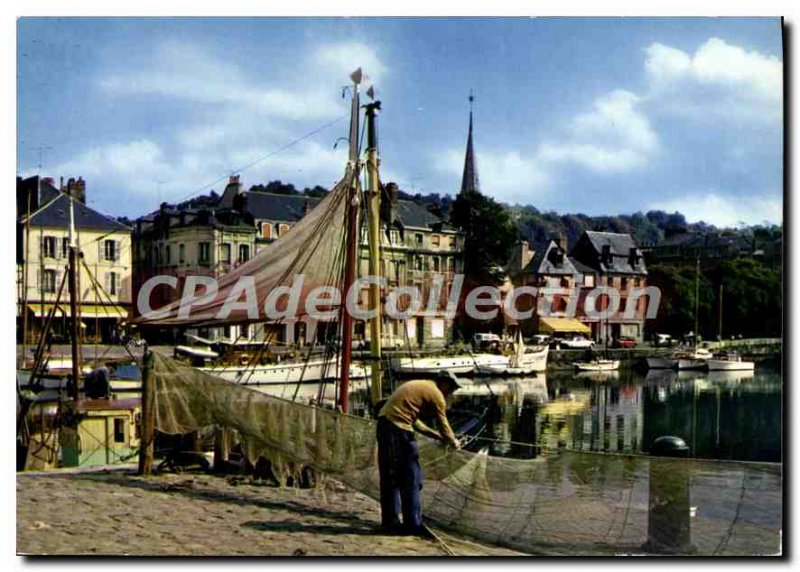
point(720, 415)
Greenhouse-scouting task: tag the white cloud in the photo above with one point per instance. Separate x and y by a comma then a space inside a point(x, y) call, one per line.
point(505, 175)
point(136, 161)
point(615, 136)
point(189, 72)
point(725, 211)
point(719, 79)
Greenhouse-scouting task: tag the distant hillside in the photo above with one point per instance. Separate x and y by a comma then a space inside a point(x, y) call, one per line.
point(648, 228)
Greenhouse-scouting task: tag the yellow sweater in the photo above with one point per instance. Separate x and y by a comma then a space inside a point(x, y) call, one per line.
point(415, 399)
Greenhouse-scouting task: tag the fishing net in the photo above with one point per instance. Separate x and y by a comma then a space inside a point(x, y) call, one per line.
point(312, 248)
point(559, 503)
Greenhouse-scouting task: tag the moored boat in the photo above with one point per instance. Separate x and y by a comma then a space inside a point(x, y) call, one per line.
point(729, 361)
point(697, 359)
point(598, 365)
point(286, 372)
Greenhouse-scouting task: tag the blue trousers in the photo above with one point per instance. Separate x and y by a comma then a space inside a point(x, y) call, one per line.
point(400, 477)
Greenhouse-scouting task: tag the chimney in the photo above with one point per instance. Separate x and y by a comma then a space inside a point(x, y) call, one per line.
point(76, 189)
point(48, 181)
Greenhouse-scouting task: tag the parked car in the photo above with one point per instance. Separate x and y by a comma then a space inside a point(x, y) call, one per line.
point(572, 342)
point(625, 342)
point(484, 341)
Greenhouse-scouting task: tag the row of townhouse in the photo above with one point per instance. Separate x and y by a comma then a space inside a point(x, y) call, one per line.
point(214, 238)
point(105, 277)
point(565, 277)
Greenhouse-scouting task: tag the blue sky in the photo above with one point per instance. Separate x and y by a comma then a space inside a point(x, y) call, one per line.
point(600, 116)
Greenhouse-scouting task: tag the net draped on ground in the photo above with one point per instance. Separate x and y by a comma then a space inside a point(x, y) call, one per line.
point(560, 503)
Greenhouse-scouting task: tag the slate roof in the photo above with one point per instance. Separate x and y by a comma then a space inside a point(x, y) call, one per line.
point(56, 214)
point(620, 248)
point(415, 215)
point(543, 262)
point(291, 208)
point(469, 179)
point(285, 208)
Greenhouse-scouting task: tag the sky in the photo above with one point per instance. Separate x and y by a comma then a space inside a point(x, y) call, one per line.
point(594, 115)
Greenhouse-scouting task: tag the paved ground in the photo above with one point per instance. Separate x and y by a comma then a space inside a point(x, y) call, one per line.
point(119, 513)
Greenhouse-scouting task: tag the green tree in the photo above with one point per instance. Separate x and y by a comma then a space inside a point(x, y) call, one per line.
point(490, 234)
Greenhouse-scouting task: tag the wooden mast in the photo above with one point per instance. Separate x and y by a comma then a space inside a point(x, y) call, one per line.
point(373, 197)
point(73, 302)
point(351, 244)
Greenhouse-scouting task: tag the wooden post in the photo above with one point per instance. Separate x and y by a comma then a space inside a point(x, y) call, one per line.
point(221, 442)
point(148, 416)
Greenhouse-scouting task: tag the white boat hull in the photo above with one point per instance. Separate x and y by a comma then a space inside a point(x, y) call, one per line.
point(661, 363)
point(684, 363)
point(532, 361)
point(456, 364)
point(293, 372)
point(600, 365)
point(726, 365)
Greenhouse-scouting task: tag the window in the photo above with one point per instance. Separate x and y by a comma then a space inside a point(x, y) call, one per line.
point(564, 282)
point(283, 229)
point(623, 282)
point(110, 249)
point(418, 239)
point(225, 253)
point(450, 264)
point(418, 263)
point(435, 240)
point(119, 430)
point(49, 247)
point(244, 252)
point(203, 252)
point(181, 253)
point(266, 230)
point(167, 255)
point(453, 243)
point(436, 264)
point(112, 283)
point(49, 281)
point(64, 247)
point(637, 282)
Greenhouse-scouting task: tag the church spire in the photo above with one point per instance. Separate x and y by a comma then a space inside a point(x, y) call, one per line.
point(469, 181)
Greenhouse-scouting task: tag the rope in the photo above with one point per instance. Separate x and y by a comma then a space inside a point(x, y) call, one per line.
point(438, 539)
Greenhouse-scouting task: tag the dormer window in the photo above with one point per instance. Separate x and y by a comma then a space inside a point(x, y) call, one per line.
point(607, 258)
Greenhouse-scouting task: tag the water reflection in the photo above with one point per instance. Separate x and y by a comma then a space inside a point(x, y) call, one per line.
point(720, 415)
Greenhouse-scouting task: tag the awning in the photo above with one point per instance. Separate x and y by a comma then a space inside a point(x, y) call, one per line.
point(86, 311)
point(562, 325)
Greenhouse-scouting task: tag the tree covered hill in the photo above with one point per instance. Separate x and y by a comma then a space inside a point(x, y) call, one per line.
point(649, 228)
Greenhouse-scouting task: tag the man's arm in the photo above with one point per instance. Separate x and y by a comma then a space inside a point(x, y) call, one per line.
point(420, 427)
point(445, 431)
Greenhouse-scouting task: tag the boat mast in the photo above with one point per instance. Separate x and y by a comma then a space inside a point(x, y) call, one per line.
point(73, 301)
point(696, 301)
point(373, 198)
point(351, 244)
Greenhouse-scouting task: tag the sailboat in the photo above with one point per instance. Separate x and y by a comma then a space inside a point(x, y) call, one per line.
point(319, 252)
point(599, 364)
point(697, 358)
point(61, 422)
point(524, 360)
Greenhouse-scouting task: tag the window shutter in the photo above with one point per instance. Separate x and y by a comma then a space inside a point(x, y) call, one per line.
point(100, 250)
point(107, 285)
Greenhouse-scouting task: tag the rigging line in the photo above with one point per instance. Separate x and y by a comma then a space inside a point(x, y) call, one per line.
point(267, 156)
point(100, 290)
